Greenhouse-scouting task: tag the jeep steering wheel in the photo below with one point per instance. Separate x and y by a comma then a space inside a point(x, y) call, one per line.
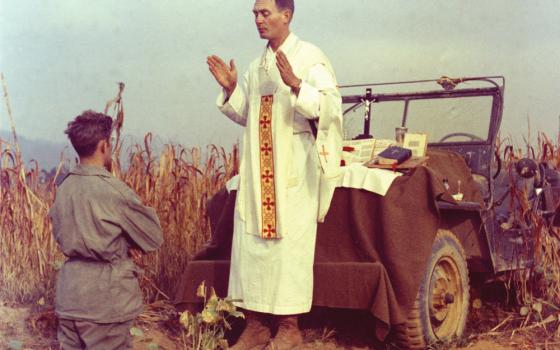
point(465, 134)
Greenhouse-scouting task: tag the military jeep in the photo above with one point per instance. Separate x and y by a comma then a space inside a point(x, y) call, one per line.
point(406, 256)
point(482, 235)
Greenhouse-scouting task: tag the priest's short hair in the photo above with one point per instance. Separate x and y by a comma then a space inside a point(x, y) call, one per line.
point(286, 5)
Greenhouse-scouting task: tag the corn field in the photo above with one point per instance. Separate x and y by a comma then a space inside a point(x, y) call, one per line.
point(175, 182)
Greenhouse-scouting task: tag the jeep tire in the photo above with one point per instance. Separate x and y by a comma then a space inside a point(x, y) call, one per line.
point(439, 313)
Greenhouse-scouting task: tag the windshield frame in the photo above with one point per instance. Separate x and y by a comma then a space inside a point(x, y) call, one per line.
point(495, 118)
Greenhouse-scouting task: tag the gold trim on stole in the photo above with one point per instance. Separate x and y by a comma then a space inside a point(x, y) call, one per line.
point(268, 190)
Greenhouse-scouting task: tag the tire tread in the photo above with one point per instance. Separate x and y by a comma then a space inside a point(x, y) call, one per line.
point(411, 334)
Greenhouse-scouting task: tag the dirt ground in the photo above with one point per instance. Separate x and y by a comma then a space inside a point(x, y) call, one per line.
point(32, 327)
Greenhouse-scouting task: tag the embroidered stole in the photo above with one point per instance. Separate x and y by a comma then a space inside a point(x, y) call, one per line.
point(268, 189)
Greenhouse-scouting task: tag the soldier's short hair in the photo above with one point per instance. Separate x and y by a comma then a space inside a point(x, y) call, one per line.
point(87, 129)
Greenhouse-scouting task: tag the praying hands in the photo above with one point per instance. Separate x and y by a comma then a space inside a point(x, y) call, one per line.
point(225, 75)
point(287, 73)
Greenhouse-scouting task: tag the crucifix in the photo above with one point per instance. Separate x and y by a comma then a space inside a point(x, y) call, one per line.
point(367, 100)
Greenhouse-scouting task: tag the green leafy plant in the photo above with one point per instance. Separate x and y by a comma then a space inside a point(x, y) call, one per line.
point(206, 330)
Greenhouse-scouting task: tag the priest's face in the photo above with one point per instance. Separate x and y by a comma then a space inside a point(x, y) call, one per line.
point(272, 23)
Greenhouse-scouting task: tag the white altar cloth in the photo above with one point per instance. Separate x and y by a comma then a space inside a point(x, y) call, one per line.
point(352, 176)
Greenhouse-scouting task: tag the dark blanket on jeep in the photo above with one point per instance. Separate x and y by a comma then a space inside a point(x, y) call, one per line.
point(371, 251)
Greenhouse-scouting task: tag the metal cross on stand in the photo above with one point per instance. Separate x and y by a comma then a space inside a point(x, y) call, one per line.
point(367, 100)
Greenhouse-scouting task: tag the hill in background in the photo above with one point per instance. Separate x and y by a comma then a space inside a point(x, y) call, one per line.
point(46, 153)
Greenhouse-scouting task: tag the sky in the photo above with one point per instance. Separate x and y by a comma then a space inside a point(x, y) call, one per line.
point(62, 57)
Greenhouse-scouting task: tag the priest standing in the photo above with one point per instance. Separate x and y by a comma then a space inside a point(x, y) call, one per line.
point(290, 106)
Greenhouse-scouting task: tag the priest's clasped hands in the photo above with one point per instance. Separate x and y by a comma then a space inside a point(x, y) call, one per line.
point(226, 75)
point(287, 73)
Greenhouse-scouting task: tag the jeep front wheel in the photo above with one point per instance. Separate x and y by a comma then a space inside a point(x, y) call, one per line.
point(441, 307)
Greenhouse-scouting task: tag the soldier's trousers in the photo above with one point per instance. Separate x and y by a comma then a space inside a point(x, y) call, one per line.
point(80, 335)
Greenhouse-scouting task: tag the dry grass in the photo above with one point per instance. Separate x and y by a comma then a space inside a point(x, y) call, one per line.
point(27, 250)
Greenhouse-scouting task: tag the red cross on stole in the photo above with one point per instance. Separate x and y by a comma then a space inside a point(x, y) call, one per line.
point(268, 190)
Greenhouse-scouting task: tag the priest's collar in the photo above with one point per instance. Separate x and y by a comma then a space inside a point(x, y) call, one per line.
point(269, 57)
point(288, 43)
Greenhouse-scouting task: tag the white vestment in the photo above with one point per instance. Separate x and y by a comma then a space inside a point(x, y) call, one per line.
point(276, 275)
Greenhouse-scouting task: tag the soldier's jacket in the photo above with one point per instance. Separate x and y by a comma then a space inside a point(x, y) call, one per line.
point(96, 219)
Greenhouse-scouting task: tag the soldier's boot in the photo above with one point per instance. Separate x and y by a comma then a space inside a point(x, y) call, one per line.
point(288, 336)
point(256, 334)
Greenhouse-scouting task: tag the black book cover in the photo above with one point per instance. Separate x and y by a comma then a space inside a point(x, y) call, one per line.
point(394, 154)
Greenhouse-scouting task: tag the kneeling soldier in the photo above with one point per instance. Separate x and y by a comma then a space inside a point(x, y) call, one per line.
point(99, 222)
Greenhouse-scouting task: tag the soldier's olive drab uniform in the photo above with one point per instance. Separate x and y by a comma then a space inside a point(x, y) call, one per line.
point(96, 219)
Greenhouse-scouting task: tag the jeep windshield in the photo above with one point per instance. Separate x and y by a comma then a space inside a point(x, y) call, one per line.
point(446, 116)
